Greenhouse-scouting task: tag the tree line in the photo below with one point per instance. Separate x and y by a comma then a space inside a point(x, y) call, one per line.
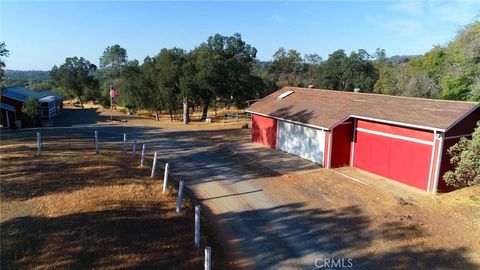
point(224, 71)
point(446, 72)
point(218, 71)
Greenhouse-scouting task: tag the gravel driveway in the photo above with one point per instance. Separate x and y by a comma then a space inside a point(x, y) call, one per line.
point(276, 211)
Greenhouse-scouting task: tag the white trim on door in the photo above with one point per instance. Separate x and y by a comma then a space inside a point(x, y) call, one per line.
point(395, 136)
point(439, 163)
point(431, 161)
point(330, 146)
point(353, 142)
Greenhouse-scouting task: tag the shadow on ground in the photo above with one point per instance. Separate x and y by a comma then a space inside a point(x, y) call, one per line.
point(272, 237)
point(140, 235)
point(291, 232)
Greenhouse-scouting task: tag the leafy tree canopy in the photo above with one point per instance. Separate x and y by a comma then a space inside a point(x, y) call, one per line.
point(75, 76)
point(3, 53)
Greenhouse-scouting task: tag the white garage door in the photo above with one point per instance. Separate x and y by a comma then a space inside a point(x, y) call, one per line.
point(306, 142)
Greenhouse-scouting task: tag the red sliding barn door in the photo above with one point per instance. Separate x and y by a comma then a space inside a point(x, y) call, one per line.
point(398, 153)
point(264, 130)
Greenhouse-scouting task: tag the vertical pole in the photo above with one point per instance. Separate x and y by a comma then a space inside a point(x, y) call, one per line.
point(39, 143)
point(197, 226)
point(134, 148)
point(8, 119)
point(142, 160)
point(165, 178)
point(125, 142)
point(180, 195)
point(208, 258)
point(111, 103)
point(96, 142)
point(154, 166)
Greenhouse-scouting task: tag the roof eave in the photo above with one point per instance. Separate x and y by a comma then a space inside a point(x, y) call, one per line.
point(287, 120)
point(354, 116)
point(463, 117)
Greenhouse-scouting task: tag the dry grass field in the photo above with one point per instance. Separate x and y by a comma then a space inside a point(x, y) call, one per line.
point(78, 210)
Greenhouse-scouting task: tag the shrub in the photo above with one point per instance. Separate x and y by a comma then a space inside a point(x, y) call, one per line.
point(465, 157)
point(31, 107)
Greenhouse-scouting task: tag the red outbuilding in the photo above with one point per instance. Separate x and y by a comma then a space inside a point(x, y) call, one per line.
point(13, 98)
point(401, 138)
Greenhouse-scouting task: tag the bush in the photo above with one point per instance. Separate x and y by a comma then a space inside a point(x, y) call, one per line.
point(466, 161)
point(31, 107)
point(104, 101)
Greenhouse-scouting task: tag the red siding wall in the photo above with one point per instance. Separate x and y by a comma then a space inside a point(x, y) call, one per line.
point(341, 143)
point(264, 130)
point(401, 160)
point(466, 126)
point(17, 104)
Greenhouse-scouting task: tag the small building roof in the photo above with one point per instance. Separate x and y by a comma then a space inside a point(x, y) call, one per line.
point(328, 108)
point(47, 99)
point(18, 93)
point(22, 94)
point(45, 93)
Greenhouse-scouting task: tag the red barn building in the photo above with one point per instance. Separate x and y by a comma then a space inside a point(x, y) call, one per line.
point(401, 138)
point(13, 98)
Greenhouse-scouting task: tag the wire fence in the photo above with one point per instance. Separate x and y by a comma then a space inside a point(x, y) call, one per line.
point(122, 144)
point(236, 117)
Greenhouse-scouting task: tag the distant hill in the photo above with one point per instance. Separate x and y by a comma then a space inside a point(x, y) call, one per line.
point(26, 75)
point(397, 59)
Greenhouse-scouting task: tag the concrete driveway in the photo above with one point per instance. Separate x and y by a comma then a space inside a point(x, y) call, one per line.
point(273, 210)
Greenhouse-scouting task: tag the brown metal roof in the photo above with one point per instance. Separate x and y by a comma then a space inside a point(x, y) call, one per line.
point(327, 108)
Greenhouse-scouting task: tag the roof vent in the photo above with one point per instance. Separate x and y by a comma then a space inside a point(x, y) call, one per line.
point(285, 94)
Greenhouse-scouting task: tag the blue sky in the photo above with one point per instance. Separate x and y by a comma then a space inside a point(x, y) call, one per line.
point(42, 34)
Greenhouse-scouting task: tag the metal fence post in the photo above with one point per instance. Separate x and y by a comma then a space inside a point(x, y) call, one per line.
point(134, 148)
point(142, 160)
point(39, 143)
point(208, 258)
point(154, 166)
point(180, 195)
point(197, 226)
point(125, 142)
point(165, 178)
